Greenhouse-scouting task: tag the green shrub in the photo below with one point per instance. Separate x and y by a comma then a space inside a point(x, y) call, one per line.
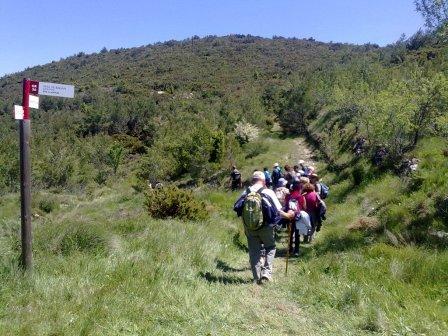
point(176, 203)
point(255, 148)
point(48, 204)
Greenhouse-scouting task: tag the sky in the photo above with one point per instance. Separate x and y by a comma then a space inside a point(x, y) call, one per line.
point(40, 31)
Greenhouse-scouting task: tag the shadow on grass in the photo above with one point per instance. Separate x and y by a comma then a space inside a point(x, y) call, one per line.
point(225, 280)
point(305, 253)
point(237, 242)
point(223, 266)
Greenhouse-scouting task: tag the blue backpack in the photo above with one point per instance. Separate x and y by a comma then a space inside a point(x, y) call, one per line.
point(324, 190)
point(267, 176)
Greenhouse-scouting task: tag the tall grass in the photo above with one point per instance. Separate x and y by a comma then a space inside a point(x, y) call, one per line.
point(104, 267)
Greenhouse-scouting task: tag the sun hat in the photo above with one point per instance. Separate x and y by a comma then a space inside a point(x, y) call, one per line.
point(276, 164)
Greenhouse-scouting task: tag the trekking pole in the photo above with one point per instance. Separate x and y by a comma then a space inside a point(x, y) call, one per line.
point(287, 247)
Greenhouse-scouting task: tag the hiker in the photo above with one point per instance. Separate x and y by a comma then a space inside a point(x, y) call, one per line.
point(260, 211)
point(281, 191)
point(321, 188)
point(235, 179)
point(314, 180)
point(295, 203)
point(267, 176)
point(297, 172)
point(312, 207)
point(276, 174)
point(290, 176)
point(302, 167)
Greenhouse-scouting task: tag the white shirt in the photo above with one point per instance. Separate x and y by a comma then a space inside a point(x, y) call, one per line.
point(267, 192)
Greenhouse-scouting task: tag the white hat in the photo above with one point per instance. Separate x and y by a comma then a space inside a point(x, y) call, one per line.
point(258, 175)
point(276, 164)
point(301, 162)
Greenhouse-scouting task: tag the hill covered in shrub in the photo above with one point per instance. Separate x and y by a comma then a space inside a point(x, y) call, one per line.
point(174, 104)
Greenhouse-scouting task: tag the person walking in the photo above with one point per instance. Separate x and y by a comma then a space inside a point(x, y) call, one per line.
point(281, 191)
point(295, 202)
point(312, 207)
point(260, 211)
point(290, 175)
point(276, 174)
point(235, 180)
point(267, 176)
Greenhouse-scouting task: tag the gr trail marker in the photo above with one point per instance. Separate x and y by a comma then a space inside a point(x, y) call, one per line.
point(30, 99)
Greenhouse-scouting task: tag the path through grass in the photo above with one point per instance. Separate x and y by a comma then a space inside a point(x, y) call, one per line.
point(103, 267)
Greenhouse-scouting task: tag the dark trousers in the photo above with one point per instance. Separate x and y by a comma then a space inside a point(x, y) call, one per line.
point(294, 238)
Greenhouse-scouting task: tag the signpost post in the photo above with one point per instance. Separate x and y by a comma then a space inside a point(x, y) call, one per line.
point(25, 179)
point(31, 89)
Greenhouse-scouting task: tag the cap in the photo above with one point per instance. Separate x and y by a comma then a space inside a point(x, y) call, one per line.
point(276, 164)
point(258, 175)
point(282, 182)
point(301, 162)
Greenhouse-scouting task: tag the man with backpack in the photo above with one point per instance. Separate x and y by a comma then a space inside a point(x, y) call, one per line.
point(321, 189)
point(267, 176)
point(261, 211)
point(276, 175)
point(235, 179)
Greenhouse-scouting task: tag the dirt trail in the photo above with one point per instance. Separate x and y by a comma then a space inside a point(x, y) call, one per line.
point(304, 152)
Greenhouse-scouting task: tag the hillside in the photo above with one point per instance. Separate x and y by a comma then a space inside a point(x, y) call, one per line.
point(141, 99)
point(181, 113)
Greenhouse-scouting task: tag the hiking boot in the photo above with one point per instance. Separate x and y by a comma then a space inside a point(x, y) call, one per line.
point(265, 279)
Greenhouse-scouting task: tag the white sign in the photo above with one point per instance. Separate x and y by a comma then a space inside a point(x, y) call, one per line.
point(34, 101)
point(58, 90)
point(18, 112)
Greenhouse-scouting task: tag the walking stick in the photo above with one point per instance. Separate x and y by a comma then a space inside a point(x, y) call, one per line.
point(288, 247)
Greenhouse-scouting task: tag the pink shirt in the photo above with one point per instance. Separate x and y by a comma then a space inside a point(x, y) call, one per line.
point(312, 202)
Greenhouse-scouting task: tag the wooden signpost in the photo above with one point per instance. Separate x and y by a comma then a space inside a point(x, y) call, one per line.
point(30, 99)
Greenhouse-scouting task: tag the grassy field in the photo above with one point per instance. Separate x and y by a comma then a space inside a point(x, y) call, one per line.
point(103, 267)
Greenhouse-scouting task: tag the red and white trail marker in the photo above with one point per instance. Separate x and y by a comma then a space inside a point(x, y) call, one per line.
point(30, 99)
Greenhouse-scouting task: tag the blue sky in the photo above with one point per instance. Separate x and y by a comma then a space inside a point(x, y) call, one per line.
point(39, 31)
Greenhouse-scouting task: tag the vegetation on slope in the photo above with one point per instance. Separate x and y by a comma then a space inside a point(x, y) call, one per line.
point(104, 267)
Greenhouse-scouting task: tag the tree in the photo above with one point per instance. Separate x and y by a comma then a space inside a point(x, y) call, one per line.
point(115, 156)
point(435, 12)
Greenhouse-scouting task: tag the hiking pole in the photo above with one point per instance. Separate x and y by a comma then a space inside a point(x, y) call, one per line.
point(288, 247)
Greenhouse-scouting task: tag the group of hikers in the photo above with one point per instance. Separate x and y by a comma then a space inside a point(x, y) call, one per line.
point(288, 197)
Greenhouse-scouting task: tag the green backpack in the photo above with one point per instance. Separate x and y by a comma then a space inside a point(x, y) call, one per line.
point(253, 210)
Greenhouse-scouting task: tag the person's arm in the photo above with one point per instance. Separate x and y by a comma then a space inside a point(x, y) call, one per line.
point(304, 203)
point(287, 215)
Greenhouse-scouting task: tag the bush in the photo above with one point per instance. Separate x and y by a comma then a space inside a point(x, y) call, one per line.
point(175, 203)
point(255, 148)
point(246, 132)
point(48, 205)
